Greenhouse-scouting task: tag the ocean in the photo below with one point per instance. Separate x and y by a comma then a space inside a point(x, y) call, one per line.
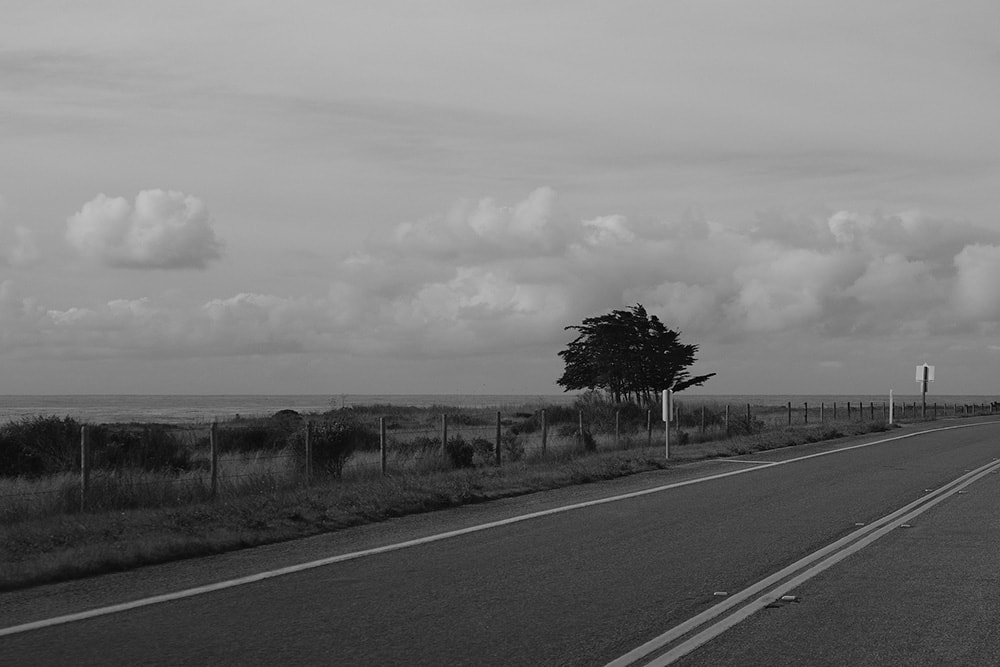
point(185, 409)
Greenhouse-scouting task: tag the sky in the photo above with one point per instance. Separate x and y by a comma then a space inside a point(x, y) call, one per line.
point(392, 197)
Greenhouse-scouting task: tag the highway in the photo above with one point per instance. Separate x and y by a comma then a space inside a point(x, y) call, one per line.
point(592, 584)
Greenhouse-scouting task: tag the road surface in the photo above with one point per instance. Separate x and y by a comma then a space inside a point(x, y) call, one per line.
point(589, 585)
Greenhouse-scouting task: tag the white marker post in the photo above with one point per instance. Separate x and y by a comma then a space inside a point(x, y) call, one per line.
point(667, 414)
point(925, 374)
point(890, 407)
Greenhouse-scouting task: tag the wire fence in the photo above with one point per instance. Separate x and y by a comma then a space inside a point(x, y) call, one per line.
point(67, 467)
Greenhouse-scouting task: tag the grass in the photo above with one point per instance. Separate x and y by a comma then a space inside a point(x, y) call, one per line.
point(145, 518)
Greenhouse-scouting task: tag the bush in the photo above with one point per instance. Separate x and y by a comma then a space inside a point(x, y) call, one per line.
point(512, 446)
point(151, 448)
point(484, 449)
point(34, 446)
point(333, 442)
point(460, 452)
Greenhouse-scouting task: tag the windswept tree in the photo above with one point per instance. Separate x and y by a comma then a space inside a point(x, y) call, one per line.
point(629, 354)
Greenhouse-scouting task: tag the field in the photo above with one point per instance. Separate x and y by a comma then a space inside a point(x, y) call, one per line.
point(135, 512)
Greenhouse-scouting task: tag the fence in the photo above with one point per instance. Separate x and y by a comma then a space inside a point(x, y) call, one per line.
point(127, 466)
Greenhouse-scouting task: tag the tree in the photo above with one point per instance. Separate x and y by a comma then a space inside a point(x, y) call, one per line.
point(629, 354)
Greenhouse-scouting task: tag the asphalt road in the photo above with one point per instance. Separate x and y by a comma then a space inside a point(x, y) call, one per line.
point(581, 587)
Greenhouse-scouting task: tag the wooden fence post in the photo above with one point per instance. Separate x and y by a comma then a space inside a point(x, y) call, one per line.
point(383, 446)
point(498, 438)
point(835, 411)
point(444, 436)
point(545, 433)
point(649, 428)
point(84, 466)
point(749, 429)
point(703, 425)
point(789, 413)
point(848, 411)
point(213, 443)
point(806, 413)
point(822, 413)
point(309, 452)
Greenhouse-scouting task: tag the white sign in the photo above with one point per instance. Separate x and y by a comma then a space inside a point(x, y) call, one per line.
point(921, 375)
point(668, 406)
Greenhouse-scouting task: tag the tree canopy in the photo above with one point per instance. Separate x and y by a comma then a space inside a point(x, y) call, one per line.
point(629, 354)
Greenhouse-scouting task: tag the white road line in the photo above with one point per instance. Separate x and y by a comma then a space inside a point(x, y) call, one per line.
point(832, 553)
point(292, 569)
point(728, 460)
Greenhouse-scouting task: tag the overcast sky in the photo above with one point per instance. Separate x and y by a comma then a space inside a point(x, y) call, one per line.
point(312, 196)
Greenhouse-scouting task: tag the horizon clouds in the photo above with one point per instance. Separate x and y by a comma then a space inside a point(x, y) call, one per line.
point(490, 278)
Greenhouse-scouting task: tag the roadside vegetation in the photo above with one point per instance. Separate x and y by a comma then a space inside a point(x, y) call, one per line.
point(150, 496)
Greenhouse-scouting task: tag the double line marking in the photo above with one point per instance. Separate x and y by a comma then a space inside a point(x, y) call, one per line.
point(772, 588)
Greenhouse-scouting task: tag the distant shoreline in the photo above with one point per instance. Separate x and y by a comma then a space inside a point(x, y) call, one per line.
point(204, 408)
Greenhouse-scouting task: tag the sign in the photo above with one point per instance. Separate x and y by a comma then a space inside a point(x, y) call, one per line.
point(925, 373)
point(668, 405)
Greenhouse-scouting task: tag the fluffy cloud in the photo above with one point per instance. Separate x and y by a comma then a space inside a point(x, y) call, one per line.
point(486, 278)
point(162, 230)
point(977, 287)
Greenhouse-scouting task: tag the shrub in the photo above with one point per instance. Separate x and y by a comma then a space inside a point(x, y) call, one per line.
point(35, 446)
point(484, 449)
point(333, 442)
point(512, 446)
point(152, 448)
point(460, 452)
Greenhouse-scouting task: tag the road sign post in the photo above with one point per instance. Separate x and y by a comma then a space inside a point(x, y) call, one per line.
point(925, 374)
point(668, 409)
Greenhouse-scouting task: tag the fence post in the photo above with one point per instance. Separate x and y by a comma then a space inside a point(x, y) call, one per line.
point(748, 418)
point(383, 445)
point(84, 466)
point(872, 410)
point(444, 436)
point(835, 411)
point(935, 409)
point(213, 442)
point(580, 430)
point(789, 413)
point(649, 428)
point(545, 433)
point(806, 413)
point(618, 414)
point(309, 452)
point(848, 411)
point(498, 438)
point(822, 413)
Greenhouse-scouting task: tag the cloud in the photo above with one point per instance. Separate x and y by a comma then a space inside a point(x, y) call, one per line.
point(486, 278)
point(162, 230)
point(17, 245)
point(977, 286)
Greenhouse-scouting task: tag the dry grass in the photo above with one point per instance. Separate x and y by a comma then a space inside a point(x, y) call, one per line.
point(141, 518)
